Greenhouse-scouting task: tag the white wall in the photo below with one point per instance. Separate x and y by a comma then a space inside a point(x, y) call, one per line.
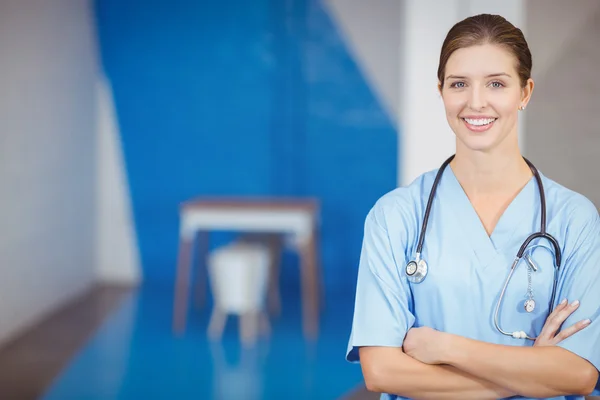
point(117, 252)
point(426, 137)
point(372, 32)
point(47, 125)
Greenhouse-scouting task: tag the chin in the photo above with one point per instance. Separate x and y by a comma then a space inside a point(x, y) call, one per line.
point(478, 141)
point(482, 143)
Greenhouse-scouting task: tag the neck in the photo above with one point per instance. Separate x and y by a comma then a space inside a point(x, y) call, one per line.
point(482, 173)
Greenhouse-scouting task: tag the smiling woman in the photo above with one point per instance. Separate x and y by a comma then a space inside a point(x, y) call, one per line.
point(438, 280)
point(483, 94)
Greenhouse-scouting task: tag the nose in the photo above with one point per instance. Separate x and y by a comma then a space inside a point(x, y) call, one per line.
point(477, 100)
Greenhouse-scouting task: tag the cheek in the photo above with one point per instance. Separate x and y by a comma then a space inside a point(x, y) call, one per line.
point(508, 111)
point(453, 106)
point(507, 104)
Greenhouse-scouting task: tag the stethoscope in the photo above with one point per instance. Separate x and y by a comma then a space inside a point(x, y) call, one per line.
point(416, 270)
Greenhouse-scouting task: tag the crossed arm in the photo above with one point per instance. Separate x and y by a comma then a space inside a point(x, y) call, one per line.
point(390, 370)
point(440, 365)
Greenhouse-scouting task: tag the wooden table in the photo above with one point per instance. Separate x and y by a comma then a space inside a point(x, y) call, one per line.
point(296, 217)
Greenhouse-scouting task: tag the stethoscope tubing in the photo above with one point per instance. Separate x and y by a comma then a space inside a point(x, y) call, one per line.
point(542, 234)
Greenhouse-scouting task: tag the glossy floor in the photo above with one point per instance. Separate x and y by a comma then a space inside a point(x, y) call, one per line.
point(135, 355)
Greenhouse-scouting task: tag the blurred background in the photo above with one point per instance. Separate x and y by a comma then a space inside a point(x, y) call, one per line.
point(142, 142)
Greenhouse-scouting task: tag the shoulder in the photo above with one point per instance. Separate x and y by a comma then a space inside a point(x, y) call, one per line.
point(577, 214)
point(404, 205)
point(568, 203)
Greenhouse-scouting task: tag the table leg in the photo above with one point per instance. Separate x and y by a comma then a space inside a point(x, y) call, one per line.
point(182, 284)
point(274, 299)
point(310, 289)
point(319, 271)
point(201, 271)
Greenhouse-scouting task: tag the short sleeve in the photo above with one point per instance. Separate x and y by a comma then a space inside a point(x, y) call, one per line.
point(580, 280)
point(381, 311)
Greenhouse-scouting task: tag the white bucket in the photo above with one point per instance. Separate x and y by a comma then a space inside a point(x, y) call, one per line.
point(239, 275)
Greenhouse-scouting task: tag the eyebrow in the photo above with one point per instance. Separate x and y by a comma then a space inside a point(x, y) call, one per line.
point(487, 76)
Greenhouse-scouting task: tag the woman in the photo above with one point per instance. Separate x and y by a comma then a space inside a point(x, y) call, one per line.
point(440, 337)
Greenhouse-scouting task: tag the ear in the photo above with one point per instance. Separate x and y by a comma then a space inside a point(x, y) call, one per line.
point(439, 86)
point(526, 92)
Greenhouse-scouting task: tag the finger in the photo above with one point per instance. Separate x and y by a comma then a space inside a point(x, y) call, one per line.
point(570, 331)
point(561, 316)
point(556, 319)
point(550, 326)
point(561, 306)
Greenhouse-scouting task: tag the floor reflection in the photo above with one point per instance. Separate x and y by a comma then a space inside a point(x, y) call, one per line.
point(135, 355)
point(240, 378)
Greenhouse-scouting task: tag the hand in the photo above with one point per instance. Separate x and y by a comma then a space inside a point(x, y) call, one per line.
point(548, 336)
point(426, 345)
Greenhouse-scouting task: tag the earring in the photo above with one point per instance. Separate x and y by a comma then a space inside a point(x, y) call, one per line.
point(521, 108)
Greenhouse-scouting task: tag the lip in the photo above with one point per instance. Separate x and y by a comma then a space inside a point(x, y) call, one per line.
point(478, 116)
point(478, 128)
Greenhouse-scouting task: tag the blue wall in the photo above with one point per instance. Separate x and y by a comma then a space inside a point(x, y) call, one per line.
point(243, 98)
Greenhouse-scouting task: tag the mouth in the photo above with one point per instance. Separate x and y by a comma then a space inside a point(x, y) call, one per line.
point(479, 124)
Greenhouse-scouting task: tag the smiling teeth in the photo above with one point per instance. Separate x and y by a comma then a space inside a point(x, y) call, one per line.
point(480, 121)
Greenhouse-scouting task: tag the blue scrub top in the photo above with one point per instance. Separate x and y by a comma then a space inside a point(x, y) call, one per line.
point(468, 268)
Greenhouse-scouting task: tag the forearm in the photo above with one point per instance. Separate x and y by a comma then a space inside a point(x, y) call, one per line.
point(538, 372)
point(389, 370)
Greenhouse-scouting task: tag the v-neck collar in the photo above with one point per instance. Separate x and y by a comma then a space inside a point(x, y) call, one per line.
point(488, 247)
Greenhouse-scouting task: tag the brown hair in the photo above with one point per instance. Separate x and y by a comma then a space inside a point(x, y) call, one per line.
point(487, 29)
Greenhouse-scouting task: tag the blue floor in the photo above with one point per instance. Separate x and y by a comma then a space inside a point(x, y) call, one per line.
point(135, 356)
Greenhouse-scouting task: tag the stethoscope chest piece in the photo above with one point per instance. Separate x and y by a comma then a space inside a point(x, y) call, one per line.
point(416, 270)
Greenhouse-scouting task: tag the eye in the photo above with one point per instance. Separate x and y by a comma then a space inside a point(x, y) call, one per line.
point(496, 84)
point(458, 85)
